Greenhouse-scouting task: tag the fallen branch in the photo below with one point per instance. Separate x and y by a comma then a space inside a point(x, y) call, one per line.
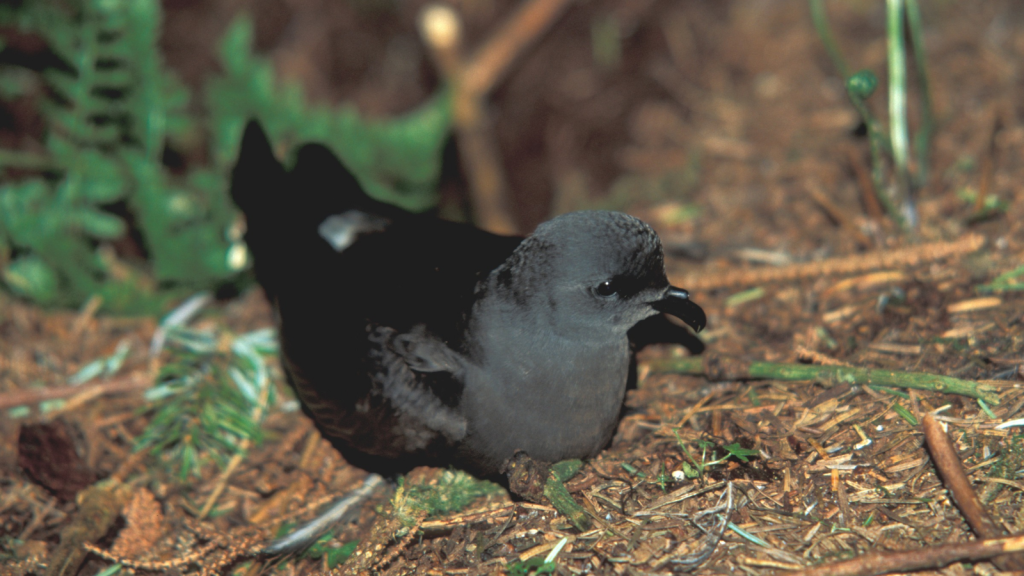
point(470, 80)
point(719, 368)
point(902, 257)
point(932, 557)
point(953, 476)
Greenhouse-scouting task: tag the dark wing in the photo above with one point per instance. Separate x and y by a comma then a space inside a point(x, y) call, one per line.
point(370, 333)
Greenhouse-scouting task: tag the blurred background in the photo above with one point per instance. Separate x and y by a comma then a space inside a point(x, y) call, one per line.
point(771, 144)
point(727, 124)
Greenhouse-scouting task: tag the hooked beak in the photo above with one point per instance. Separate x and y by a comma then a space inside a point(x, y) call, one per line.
point(677, 303)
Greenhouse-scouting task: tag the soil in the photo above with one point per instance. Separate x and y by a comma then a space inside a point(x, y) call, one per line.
point(724, 125)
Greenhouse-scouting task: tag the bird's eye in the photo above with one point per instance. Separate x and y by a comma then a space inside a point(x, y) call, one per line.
point(605, 289)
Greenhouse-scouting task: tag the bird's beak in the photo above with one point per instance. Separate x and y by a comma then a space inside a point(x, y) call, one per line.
point(677, 303)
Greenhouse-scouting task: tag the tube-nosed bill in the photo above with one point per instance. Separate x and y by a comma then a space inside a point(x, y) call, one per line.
point(676, 302)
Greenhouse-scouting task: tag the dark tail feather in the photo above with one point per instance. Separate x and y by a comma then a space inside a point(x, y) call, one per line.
point(283, 209)
point(330, 188)
point(258, 183)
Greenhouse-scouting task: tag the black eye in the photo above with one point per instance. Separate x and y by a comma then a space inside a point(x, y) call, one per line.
point(605, 289)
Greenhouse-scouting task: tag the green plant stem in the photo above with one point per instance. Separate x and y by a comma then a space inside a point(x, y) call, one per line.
point(879, 145)
point(724, 368)
point(898, 127)
point(923, 136)
point(820, 19)
point(556, 492)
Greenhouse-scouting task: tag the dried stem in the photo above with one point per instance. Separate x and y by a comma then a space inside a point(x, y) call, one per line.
point(931, 557)
point(129, 383)
point(902, 257)
point(490, 63)
point(952, 472)
point(471, 80)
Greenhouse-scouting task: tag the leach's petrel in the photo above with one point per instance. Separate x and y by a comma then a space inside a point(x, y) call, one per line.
point(411, 340)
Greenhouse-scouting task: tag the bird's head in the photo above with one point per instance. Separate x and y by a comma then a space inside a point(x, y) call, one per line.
point(594, 270)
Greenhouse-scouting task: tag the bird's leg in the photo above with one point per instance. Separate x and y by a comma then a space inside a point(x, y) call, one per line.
point(308, 533)
point(527, 476)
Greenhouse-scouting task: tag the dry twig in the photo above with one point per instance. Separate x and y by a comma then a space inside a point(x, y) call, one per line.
point(128, 383)
point(932, 557)
point(952, 472)
point(910, 256)
point(471, 80)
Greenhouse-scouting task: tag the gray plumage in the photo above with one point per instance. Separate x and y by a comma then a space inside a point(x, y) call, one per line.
point(410, 340)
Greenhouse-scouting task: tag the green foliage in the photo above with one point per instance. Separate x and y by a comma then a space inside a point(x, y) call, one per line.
point(1009, 281)
point(862, 84)
point(397, 161)
point(694, 469)
point(740, 452)
point(111, 109)
point(897, 196)
point(451, 492)
point(109, 113)
point(212, 394)
point(535, 565)
point(335, 555)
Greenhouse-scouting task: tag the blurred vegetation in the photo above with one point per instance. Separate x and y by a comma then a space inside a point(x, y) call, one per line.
point(903, 20)
point(112, 111)
point(210, 399)
point(451, 492)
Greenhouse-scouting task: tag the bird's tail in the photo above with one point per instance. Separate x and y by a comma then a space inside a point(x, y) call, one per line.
point(284, 209)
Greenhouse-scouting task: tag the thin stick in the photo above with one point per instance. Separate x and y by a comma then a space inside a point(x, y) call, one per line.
point(718, 368)
point(867, 187)
point(860, 263)
point(835, 213)
point(128, 383)
point(931, 557)
point(987, 168)
point(490, 63)
point(953, 476)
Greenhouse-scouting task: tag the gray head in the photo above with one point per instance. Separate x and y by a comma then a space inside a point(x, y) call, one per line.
point(593, 270)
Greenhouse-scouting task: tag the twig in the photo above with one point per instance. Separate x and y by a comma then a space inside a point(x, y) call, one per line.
point(490, 63)
point(814, 189)
point(952, 472)
point(859, 87)
point(867, 188)
point(718, 368)
point(932, 557)
point(901, 257)
point(471, 79)
point(128, 383)
point(987, 168)
point(87, 313)
point(814, 356)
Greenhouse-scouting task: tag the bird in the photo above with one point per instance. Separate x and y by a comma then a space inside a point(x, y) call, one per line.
point(410, 340)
